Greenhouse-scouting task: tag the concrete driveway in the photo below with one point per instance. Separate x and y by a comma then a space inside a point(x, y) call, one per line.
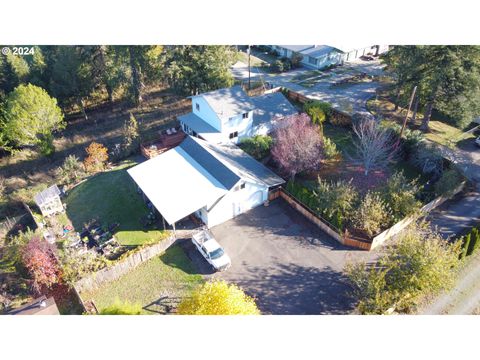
point(285, 262)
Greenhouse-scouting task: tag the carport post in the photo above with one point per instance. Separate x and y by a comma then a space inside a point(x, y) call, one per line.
point(174, 231)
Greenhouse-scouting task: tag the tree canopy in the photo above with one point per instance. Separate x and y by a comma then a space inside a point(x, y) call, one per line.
point(218, 298)
point(196, 69)
point(448, 79)
point(419, 263)
point(30, 116)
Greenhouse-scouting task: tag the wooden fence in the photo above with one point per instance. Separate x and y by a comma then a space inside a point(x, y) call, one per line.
point(114, 272)
point(347, 239)
point(401, 225)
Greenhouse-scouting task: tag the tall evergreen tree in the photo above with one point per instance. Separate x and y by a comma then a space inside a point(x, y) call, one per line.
point(448, 78)
point(196, 69)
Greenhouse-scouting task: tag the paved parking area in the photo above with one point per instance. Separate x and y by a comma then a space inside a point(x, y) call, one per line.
point(285, 262)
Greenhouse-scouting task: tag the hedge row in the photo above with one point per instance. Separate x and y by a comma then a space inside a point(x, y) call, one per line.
point(470, 243)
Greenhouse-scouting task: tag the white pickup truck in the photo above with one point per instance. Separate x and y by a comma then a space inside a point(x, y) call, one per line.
point(211, 250)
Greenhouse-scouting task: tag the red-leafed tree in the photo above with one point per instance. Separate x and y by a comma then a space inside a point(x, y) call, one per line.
point(297, 145)
point(40, 262)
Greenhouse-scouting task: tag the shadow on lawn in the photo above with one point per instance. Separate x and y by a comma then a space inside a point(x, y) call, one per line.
point(110, 197)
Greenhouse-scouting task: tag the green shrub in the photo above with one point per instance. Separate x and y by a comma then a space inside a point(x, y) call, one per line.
point(427, 159)
point(71, 171)
point(373, 214)
point(400, 195)
point(259, 146)
point(329, 148)
point(318, 111)
point(334, 198)
point(277, 66)
point(474, 241)
point(447, 183)
point(465, 245)
point(413, 139)
point(296, 60)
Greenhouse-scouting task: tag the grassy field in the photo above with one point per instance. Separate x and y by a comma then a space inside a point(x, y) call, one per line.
point(111, 197)
point(440, 132)
point(163, 280)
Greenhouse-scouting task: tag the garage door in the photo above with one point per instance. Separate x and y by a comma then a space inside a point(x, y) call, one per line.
point(255, 200)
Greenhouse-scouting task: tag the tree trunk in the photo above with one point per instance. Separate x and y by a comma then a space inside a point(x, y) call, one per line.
point(397, 98)
point(427, 115)
point(110, 93)
point(415, 109)
point(81, 103)
point(136, 82)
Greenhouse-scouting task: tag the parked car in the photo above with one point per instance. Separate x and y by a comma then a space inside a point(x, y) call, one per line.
point(477, 141)
point(367, 57)
point(211, 250)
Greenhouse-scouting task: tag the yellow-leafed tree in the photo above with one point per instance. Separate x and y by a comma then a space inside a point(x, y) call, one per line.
point(218, 298)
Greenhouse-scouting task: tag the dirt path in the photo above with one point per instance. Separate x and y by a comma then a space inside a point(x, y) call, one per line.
point(464, 298)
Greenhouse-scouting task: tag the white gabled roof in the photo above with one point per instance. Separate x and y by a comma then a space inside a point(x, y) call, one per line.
point(176, 184)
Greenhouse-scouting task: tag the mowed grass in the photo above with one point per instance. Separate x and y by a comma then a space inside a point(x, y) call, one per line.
point(111, 197)
point(440, 132)
point(163, 280)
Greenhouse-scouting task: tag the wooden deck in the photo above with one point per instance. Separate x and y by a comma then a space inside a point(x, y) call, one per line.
point(163, 143)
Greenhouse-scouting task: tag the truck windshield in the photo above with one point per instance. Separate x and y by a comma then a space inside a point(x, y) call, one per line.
point(216, 253)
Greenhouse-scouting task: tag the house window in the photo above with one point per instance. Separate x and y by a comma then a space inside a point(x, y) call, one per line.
point(244, 116)
point(197, 106)
point(312, 60)
point(233, 135)
point(240, 187)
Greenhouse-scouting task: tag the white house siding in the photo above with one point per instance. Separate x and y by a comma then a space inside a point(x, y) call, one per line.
point(332, 58)
point(234, 203)
point(206, 112)
point(239, 124)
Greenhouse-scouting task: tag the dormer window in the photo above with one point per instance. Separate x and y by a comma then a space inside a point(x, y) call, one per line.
point(197, 106)
point(245, 115)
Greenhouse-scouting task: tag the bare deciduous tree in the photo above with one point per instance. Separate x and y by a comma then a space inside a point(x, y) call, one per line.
point(373, 145)
point(298, 145)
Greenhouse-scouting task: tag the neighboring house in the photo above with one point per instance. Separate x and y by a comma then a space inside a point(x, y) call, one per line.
point(216, 182)
point(40, 306)
point(49, 201)
point(322, 56)
point(228, 115)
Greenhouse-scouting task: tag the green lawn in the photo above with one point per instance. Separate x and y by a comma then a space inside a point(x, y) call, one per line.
point(440, 132)
point(111, 197)
point(165, 279)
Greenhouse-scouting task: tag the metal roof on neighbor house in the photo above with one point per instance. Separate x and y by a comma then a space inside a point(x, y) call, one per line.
point(47, 195)
point(319, 51)
point(271, 106)
point(201, 127)
point(228, 102)
point(296, 48)
point(241, 163)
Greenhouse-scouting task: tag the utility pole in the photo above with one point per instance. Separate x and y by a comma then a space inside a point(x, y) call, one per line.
point(248, 52)
point(404, 125)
